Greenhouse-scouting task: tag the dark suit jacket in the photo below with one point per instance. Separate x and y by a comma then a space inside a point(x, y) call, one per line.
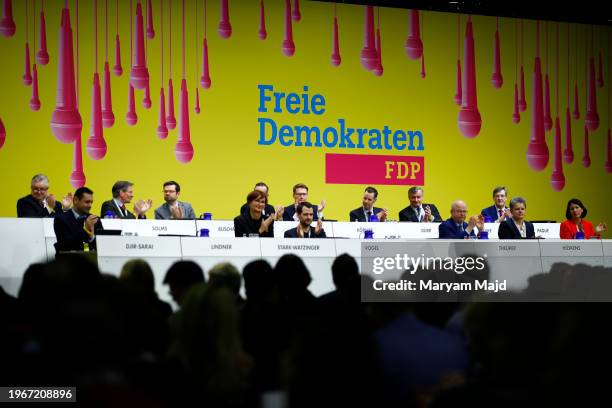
point(70, 233)
point(292, 233)
point(507, 230)
point(245, 225)
point(408, 214)
point(29, 207)
point(358, 215)
point(490, 212)
point(290, 210)
point(268, 210)
point(449, 230)
point(112, 207)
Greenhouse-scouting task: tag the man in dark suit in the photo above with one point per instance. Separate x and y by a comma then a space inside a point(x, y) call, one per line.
point(41, 204)
point(300, 195)
point(123, 193)
point(455, 227)
point(498, 211)
point(417, 211)
point(367, 209)
point(76, 228)
point(515, 227)
point(304, 229)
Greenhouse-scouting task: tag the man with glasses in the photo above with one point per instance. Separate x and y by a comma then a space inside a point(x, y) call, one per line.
point(173, 209)
point(456, 227)
point(300, 195)
point(41, 204)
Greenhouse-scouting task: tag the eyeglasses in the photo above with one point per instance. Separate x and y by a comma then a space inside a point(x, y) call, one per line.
point(301, 194)
point(39, 189)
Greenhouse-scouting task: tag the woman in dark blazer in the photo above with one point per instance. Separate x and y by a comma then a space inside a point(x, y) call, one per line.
point(254, 222)
point(516, 227)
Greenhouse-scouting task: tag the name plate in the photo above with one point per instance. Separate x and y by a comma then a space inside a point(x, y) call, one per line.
point(153, 228)
point(221, 229)
point(220, 247)
point(547, 230)
point(607, 248)
point(303, 247)
point(112, 223)
point(139, 247)
point(508, 248)
point(417, 248)
point(571, 248)
point(281, 226)
point(492, 228)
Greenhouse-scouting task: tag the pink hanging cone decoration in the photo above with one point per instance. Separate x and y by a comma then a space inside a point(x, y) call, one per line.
point(96, 145)
point(369, 55)
point(568, 152)
point(183, 151)
point(77, 177)
point(7, 25)
point(117, 68)
point(576, 112)
point(42, 56)
point(522, 103)
point(27, 73)
point(288, 46)
point(378, 69)
point(225, 27)
point(196, 108)
point(170, 119)
point(469, 118)
point(496, 78)
point(586, 155)
point(608, 164)
point(591, 118)
point(262, 33)
point(150, 29)
point(547, 118)
point(35, 100)
point(66, 123)
point(295, 13)
point(516, 116)
point(336, 59)
point(600, 80)
point(458, 90)
point(414, 45)
point(108, 117)
point(557, 178)
point(537, 150)
point(205, 81)
point(146, 101)
point(131, 118)
point(2, 133)
point(162, 129)
point(139, 75)
point(423, 74)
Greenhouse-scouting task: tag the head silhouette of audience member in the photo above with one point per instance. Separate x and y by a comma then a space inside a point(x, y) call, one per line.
point(181, 276)
point(259, 280)
point(344, 269)
point(225, 275)
point(293, 275)
point(138, 276)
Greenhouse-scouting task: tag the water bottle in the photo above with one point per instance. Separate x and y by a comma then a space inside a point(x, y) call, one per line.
point(109, 214)
point(579, 235)
point(373, 218)
point(204, 233)
point(483, 235)
point(368, 234)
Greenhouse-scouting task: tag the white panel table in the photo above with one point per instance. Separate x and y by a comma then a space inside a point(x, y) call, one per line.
point(153, 228)
point(207, 252)
point(572, 252)
point(216, 229)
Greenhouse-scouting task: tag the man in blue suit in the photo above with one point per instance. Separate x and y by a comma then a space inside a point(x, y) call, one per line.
point(456, 227)
point(367, 209)
point(498, 211)
point(300, 195)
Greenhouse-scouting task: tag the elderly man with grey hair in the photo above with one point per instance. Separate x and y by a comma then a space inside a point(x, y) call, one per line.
point(123, 193)
point(417, 211)
point(456, 227)
point(41, 204)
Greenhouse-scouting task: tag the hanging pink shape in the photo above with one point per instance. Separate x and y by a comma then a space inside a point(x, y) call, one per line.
point(568, 152)
point(139, 75)
point(423, 65)
point(117, 68)
point(295, 14)
point(205, 81)
point(183, 151)
point(586, 155)
point(522, 101)
point(35, 100)
point(146, 101)
point(170, 119)
point(77, 177)
point(131, 118)
point(2, 133)
point(336, 59)
point(516, 116)
point(469, 116)
point(225, 27)
point(576, 112)
point(591, 118)
point(7, 25)
point(607, 166)
point(196, 108)
point(42, 56)
point(547, 118)
point(162, 129)
point(378, 69)
point(108, 117)
point(557, 178)
point(496, 78)
point(600, 80)
point(414, 45)
point(27, 74)
point(288, 46)
point(150, 29)
point(458, 91)
point(537, 151)
point(368, 55)
point(96, 145)
point(66, 123)
point(262, 33)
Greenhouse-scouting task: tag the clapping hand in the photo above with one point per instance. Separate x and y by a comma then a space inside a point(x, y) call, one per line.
point(382, 216)
point(321, 206)
point(67, 202)
point(480, 222)
point(427, 216)
point(90, 222)
point(278, 215)
point(50, 202)
point(176, 212)
point(601, 227)
point(142, 206)
point(319, 227)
